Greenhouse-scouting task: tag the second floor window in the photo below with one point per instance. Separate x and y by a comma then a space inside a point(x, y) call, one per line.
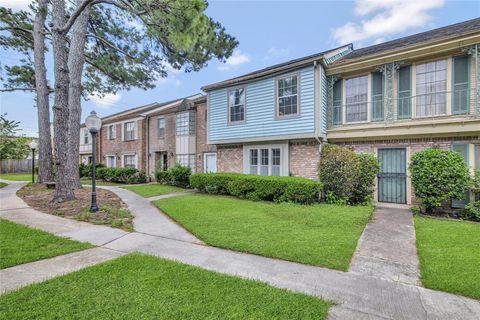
point(287, 96)
point(185, 123)
point(111, 132)
point(460, 85)
point(356, 94)
point(337, 102)
point(85, 137)
point(161, 128)
point(404, 93)
point(431, 86)
point(236, 104)
point(129, 131)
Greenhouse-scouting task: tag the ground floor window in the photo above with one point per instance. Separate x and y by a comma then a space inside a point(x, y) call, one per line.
point(129, 161)
point(187, 160)
point(111, 161)
point(265, 161)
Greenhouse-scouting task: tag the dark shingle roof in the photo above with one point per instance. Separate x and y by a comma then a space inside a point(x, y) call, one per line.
point(270, 69)
point(443, 32)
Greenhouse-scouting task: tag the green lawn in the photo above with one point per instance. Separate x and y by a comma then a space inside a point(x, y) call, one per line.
point(20, 244)
point(144, 287)
point(449, 254)
point(3, 184)
point(150, 190)
point(322, 235)
point(17, 176)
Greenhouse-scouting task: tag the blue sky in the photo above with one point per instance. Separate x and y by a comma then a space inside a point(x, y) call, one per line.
point(269, 32)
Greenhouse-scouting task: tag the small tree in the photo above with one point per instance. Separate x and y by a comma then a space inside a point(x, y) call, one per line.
point(438, 176)
point(338, 170)
point(365, 179)
point(11, 147)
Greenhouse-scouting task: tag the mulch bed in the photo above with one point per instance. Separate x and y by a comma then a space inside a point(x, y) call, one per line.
point(40, 198)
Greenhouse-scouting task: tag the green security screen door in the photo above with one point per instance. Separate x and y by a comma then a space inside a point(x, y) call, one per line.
point(392, 179)
point(463, 149)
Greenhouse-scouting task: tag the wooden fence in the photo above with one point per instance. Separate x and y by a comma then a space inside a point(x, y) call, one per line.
point(16, 165)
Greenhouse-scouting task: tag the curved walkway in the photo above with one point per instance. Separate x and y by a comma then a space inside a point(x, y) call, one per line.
point(358, 296)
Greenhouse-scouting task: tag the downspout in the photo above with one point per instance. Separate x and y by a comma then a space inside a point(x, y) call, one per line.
point(316, 104)
point(147, 147)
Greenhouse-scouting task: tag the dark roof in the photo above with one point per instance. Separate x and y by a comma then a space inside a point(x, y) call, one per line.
point(427, 36)
point(270, 69)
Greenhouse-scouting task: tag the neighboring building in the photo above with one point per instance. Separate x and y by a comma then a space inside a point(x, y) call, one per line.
point(155, 136)
point(273, 121)
point(392, 99)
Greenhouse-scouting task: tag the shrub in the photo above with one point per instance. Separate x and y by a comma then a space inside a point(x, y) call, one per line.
point(178, 176)
point(252, 187)
point(471, 211)
point(121, 175)
point(347, 177)
point(86, 169)
point(437, 176)
point(364, 184)
point(337, 170)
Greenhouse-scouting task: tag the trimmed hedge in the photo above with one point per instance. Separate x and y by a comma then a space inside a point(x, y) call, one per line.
point(253, 187)
point(177, 175)
point(121, 175)
point(86, 169)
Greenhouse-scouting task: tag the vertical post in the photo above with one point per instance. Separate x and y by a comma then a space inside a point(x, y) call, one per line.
point(33, 166)
point(94, 207)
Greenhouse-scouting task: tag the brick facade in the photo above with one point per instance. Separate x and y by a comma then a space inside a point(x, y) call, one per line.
point(304, 158)
point(158, 145)
point(119, 148)
point(230, 158)
point(201, 136)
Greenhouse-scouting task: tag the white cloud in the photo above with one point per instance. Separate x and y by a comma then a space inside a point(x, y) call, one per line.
point(15, 4)
point(236, 59)
point(106, 102)
point(274, 53)
point(383, 18)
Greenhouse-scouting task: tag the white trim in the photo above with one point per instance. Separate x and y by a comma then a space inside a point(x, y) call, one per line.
point(123, 121)
point(114, 162)
point(205, 155)
point(130, 154)
point(284, 157)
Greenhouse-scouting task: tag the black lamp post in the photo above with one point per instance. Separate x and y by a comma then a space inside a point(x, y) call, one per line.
point(33, 145)
point(93, 124)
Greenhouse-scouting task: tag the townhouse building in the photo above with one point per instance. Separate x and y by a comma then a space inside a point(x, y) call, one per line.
point(392, 99)
point(154, 137)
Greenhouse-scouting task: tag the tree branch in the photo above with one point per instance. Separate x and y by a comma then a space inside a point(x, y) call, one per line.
point(111, 45)
point(17, 89)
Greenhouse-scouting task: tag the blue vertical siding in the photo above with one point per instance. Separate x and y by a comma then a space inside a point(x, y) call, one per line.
point(260, 111)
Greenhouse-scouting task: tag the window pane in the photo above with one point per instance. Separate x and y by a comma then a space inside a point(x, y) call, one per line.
point(356, 92)
point(287, 94)
point(460, 85)
point(129, 131)
point(431, 88)
point(236, 102)
point(275, 162)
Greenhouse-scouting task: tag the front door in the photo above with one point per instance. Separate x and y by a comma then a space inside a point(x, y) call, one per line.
point(392, 179)
point(463, 149)
point(210, 162)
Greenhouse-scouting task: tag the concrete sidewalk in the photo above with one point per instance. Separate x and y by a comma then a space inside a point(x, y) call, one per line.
point(387, 247)
point(358, 295)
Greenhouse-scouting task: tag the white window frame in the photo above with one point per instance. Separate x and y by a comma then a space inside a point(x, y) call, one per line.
point(114, 160)
point(112, 132)
point(124, 127)
point(230, 106)
point(277, 97)
point(448, 81)
point(205, 155)
point(284, 157)
point(86, 134)
point(161, 119)
point(190, 156)
point(344, 97)
point(128, 155)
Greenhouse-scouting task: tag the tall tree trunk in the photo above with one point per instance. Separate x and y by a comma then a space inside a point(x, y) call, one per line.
point(76, 61)
point(63, 191)
point(45, 172)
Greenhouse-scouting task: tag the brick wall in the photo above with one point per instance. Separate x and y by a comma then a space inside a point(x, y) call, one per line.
point(119, 148)
point(304, 158)
point(230, 158)
point(165, 144)
point(201, 136)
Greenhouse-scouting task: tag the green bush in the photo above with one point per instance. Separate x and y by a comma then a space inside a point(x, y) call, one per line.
point(365, 178)
point(471, 211)
point(121, 175)
point(86, 169)
point(438, 176)
point(177, 176)
point(252, 187)
point(347, 177)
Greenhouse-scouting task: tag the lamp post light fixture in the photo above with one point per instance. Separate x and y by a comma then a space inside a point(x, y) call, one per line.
point(33, 145)
point(93, 124)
